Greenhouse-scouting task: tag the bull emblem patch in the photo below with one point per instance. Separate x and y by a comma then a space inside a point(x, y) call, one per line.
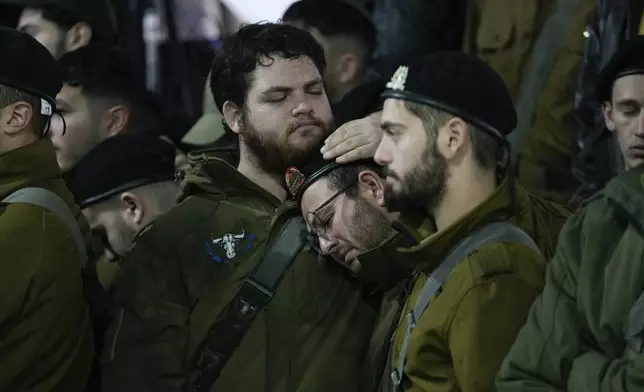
point(232, 245)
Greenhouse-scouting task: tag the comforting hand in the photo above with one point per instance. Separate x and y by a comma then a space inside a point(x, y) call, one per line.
point(354, 140)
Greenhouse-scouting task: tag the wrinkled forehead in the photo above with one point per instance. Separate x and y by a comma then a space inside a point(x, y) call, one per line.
point(279, 72)
point(629, 88)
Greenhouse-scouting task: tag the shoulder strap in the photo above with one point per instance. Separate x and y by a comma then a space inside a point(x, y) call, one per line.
point(255, 293)
point(51, 202)
point(493, 232)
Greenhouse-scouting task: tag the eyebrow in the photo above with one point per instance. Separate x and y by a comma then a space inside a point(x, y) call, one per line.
point(628, 102)
point(286, 89)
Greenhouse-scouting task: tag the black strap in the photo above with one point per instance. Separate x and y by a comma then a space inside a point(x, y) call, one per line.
point(255, 293)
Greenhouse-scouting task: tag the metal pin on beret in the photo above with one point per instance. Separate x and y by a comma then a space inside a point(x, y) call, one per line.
point(299, 178)
point(628, 60)
point(118, 164)
point(460, 84)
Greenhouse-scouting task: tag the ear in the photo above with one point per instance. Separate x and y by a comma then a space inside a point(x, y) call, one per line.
point(233, 116)
point(116, 120)
point(16, 117)
point(348, 68)
point(77, 36)
point(134, 209)
point(372, 185)
point(607, 111)
point(452, 137)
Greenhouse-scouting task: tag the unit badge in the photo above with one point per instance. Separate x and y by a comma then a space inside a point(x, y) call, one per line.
point(231, 245)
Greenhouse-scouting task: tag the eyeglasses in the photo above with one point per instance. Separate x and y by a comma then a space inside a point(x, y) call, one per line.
point(318, 224)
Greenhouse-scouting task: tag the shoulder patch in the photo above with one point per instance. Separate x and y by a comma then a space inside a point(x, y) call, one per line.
point(229, 246)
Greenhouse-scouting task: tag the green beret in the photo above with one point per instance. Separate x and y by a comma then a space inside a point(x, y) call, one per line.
point(460, 84)
point(28, 66)
point(628, 60)
point(118, 164)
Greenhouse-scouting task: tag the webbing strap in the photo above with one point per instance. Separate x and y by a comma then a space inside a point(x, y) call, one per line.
point(255, 293)
point(493, 232)
point(51, 202)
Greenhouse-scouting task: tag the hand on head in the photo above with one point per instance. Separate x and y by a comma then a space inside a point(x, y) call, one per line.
point(354, 140)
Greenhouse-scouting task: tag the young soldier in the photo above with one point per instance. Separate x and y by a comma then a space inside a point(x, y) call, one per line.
point(220, 294)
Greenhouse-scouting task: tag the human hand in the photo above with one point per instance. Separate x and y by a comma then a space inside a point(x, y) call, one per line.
point(354, 140)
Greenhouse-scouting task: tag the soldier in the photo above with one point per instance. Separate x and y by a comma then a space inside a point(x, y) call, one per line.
point(65, 25)
point(443, 144)
point(584, 333)
point(46, 339)
point(347, 35)
point(220, 294)
point(102, 96)
point(123, 185)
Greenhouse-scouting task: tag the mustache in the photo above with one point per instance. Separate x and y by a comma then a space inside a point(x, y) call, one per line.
point(307, 122)
point(387, 172)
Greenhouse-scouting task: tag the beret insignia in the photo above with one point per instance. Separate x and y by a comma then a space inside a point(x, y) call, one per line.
point(294, 180)
point(399, 79)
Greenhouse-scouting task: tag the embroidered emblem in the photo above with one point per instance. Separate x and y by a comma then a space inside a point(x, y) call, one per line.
point(230, 242)
point(399, 79)
point(294, 180)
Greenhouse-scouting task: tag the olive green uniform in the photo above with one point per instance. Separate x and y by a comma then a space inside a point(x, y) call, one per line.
point(46, 341)
point(177, 279)
point(465, 332)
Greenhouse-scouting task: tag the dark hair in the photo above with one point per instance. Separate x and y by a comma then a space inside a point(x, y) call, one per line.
point(332, 18)
point(241, 53)
point(107, 73)
point(10, 95)
point(66, 20)
point(343, 176)
point(486, 147)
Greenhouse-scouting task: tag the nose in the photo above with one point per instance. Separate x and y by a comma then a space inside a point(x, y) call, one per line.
point(56, 126)
point(383, 155)
point(304, 107)
point(326, 245)
point(640, 125)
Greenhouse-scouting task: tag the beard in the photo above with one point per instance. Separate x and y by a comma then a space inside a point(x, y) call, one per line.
point(423, 186)
point(275, 152)
point(369, 226)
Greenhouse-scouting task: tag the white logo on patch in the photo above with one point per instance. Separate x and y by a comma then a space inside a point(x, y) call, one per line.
point(229, 241)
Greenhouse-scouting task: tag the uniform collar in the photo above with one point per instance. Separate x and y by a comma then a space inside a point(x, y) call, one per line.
point(27, 165)
point(431, 247)
point(213, 174)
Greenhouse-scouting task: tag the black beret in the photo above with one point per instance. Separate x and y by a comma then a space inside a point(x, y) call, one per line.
point(299, 178)
point(360, 102)
point(460, 84)
point(28, 66)
point(118, 164)
point(628, 60)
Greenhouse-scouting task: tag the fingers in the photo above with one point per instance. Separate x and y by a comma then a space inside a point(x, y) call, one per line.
point(356, 154)
point(345, 146)
point(338, 136)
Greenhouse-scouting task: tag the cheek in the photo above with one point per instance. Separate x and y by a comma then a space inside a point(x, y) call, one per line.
point(268, 119)
point(322, 109)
